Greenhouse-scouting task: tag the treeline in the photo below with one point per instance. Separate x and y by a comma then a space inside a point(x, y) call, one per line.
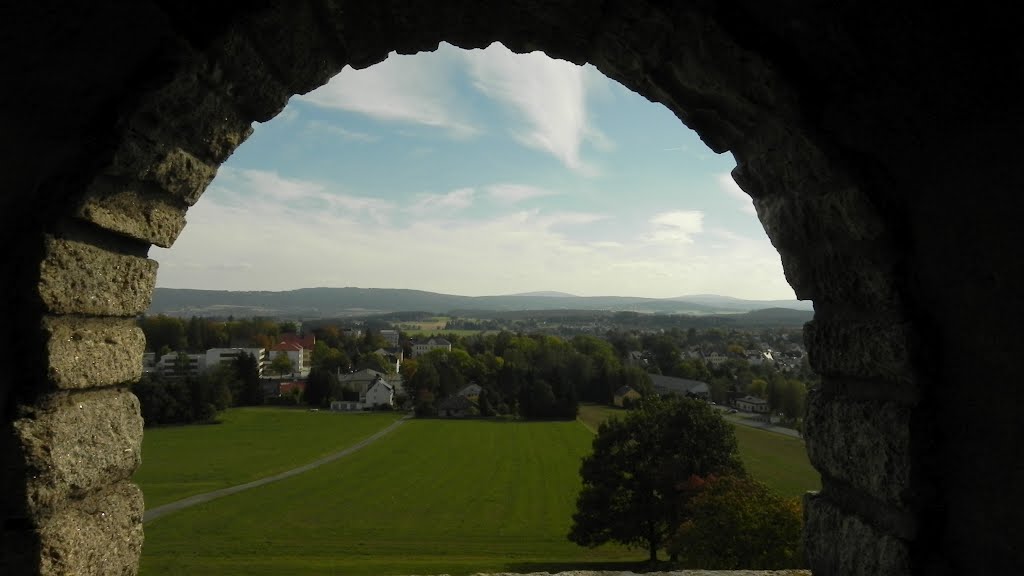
point(530, 376)
point(183, 398)
point(168, 333)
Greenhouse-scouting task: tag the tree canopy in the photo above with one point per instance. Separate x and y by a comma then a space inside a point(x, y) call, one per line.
point(631, 482)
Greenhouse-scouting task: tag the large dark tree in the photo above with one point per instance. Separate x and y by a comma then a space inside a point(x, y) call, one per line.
point(249, 393)
point(631, 480)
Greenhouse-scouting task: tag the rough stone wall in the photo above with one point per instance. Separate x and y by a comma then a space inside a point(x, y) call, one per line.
point(886, 186)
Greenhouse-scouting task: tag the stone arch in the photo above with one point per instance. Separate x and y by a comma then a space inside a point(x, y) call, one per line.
point(149, 99)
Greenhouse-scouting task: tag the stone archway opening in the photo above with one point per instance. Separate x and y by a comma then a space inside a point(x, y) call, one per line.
point(835, 137)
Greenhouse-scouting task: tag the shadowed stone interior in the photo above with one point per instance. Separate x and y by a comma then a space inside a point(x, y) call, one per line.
point(880, 146)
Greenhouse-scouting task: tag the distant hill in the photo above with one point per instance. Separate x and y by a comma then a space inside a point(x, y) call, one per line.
point(340, 302)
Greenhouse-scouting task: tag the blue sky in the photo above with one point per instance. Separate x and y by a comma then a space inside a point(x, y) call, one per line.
point(476, 172)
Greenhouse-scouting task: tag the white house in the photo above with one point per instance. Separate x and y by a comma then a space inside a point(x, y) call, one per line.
point(752, 404)
point(360, 381)
point(380, 392)
point(391, 336)
point(431, 345)
point(292, 350)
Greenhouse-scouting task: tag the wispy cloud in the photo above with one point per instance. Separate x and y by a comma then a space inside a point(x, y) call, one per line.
point(238, 188)
point(515, 193)
point(455, 200)
point(413, 89)
point(549, 95)
point(269, 247)
point(341, 132)
point(676, 227)
point(728, 185)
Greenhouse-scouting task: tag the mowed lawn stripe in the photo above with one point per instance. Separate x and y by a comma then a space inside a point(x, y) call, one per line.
point(434, 496)
point(249, 444)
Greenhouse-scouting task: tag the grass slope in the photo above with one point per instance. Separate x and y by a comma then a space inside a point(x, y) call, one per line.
point(433, 497)
point(250, 443)
point(779, 461)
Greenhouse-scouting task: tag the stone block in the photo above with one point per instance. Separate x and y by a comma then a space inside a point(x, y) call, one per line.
point(171, 169)
point(126, 207)
point(72, 444)
point(302, 49)
point(79, 278)
point(99, 534)
point(189, 114)
point(839, 216)
point(838, 274)
point(863, 444)
point(93, 352)
point(241, 73)
point(860, 347)
point(838, 542)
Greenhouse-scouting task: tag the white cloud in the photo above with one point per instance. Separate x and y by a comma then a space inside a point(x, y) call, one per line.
point(404, 88)
point(343, 133)
point(549, 94)
point(259, 243)
point(244, 189)
point(676, 227)
point(728, 185)
point(515, 193)
point(455, 200)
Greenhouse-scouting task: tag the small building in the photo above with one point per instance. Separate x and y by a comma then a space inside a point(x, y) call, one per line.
point(286, 388)
point(346, 406)
point(430, 345)
point(625, 394)
point(391, 336)
point(472, 392)
point(360, 381)
point(664, 385)
point(752, 404)
point(380, 393)
point(457, 407)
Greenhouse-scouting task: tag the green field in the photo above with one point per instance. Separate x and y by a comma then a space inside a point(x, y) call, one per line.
point(432, 497)
point(777, 460)
point(250, 443)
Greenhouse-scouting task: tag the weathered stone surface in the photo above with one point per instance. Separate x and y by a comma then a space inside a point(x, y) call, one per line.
point(78, 278)
point(100, 534)
point(839, 216)
point(838, 542)
point(860, 347)
point(241, 73)
point(172, 169)
point(125, 208)
point(90, 352)
point(187, 114)
point(864, 444)
point(824, 273)
point(302, 52)
point(72, 444)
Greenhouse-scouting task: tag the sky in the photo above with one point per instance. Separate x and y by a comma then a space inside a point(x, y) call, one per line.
point(477, 172)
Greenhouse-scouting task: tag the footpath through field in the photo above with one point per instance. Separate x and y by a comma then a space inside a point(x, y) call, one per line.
point(160, 511)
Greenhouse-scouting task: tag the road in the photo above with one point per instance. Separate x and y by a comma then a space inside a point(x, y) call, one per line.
point(166, 509)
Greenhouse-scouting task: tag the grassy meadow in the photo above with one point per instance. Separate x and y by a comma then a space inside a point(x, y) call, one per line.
point(778, 460)
point(249, 443)
point(435, 496)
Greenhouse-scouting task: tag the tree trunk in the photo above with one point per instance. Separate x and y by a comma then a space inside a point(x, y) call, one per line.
point(654, 550)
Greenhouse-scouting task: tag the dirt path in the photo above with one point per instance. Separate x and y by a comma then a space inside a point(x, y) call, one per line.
point(166, 509)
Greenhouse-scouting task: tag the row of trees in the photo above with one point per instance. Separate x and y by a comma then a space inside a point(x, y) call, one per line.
point(668, 476)
point(532, 376)
point(184, 398)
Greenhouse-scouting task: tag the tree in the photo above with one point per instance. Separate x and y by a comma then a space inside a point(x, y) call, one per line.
point(249, 392)
point(738, 523)
point(282, 364)
point(320, 384)
point(630, 482)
